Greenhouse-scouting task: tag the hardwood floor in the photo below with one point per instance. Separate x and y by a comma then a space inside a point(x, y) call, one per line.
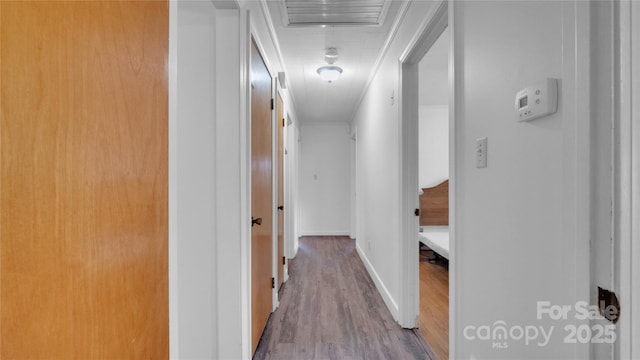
point(330, 309)
point(433, 322)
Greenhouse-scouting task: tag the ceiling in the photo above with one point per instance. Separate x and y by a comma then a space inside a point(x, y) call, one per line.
point(303, 49)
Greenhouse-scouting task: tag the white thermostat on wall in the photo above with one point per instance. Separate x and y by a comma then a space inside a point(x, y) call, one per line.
point(537, 101)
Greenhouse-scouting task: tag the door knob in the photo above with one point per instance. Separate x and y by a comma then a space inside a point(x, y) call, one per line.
point(256, 221)
point(281, 207)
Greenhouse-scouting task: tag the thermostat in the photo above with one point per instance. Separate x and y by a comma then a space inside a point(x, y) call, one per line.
point(537, 101)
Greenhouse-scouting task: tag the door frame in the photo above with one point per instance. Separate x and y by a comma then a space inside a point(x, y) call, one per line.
point(172, 243)
point(248, 32)
point(428, 32)
point(244, 31)
point(627, 179)
point(576, 69)
point(276, 177)
point(245, 180)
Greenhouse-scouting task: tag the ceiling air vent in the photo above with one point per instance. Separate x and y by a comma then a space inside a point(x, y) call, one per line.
point(336, 12)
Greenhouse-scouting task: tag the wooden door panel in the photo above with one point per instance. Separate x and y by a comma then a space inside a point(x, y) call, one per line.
point(261, 195)
point(83, 129)
point(281, 210)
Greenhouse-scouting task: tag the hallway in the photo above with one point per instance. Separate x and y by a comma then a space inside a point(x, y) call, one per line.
point(330, 309)
point(167, 165)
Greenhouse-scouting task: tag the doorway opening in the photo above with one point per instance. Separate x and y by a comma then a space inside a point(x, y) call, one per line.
point(428, 182)
point(433, 185)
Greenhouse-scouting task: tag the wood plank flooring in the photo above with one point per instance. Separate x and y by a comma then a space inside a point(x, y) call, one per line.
point(331, 309)
point(433, 322)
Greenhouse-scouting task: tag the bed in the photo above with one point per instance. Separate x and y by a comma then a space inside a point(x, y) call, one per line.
point(434, 218)
point(436, 238)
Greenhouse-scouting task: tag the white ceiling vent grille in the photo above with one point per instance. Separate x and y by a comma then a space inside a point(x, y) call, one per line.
point(335, 12)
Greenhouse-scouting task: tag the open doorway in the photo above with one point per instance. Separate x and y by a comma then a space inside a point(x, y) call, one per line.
point(440, 187)
point(433, 181)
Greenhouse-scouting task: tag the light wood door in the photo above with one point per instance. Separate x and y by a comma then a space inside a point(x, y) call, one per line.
point(281, 258)
point(261, 195)
point(83, 143)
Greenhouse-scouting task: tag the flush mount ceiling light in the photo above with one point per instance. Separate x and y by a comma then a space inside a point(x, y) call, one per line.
point(330, 73)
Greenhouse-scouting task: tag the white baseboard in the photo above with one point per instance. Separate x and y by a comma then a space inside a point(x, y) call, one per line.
point(325, 233)
point(384, 292)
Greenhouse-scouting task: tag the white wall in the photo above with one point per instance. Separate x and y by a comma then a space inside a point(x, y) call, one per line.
point(205, 148)
point(228, 185)
point(517, 231)
point(196, 252)
point(208, 147)
point(234, 196)
point(519, 235)
point(433, 145)
point(325, 179)
point(523, 234)
point(377, 167)
point(627, 179)
point(354, 160)
point(292, 160)
point(262, 30)
point(602, 254)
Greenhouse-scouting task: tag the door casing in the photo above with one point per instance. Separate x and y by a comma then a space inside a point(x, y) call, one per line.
point(261, 193)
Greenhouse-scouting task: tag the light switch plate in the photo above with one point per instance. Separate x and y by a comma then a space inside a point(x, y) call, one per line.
point(481, 152)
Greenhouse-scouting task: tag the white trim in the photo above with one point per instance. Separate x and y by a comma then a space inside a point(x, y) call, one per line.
point(173, 181)
point(274, 38)
point(274, 192)
point(289, 190)
point(392, 305)
point(285, 182)
point(627, 179)
point(425, 36)
point(383, 51)
point(261, 49)
point(325, 233)
point(634, 307)
point(282, 9)
point(635, 268)
point(427, 33)
point(254, 33)
point(353, 181)
point(575, 92)
point(456, 166)
point(384, 12)
point(408, 231)
point(245, 177)
point(272, 30)
point(225, 4)
point(296, 191)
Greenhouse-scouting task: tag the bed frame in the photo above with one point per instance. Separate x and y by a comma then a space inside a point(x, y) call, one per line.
point(434, 205)
point(434, 217)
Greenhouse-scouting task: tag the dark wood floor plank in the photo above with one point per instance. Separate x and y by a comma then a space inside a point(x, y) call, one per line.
point(331, 309)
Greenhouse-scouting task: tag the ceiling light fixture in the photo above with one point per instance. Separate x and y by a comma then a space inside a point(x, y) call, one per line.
point(330, 73)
